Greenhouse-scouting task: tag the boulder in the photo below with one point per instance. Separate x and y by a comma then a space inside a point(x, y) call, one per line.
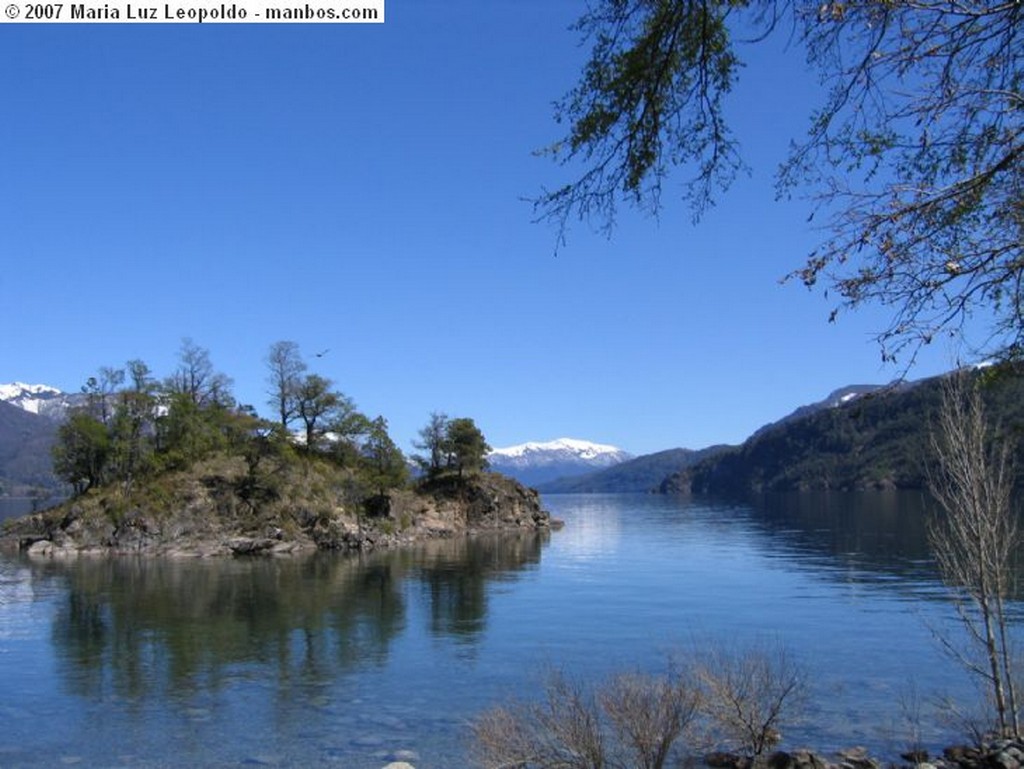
point(251, 545)
point(42, 548)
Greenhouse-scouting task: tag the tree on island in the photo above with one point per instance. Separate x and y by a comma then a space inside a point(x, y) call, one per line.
point(135, 424)
point(197, 379)
point(81, 451)
point(285, 370)
point(466, 446)
point(99, 392)
point(914, 157)
point(433, 442)
point(316, 404)
point(451, 444)
point(148, 426)
point(383, 462)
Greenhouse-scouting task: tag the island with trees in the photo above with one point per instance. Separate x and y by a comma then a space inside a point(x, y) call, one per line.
point(176, 466)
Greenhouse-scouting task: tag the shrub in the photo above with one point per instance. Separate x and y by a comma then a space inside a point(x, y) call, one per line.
point(734, 698)
point(632, 720)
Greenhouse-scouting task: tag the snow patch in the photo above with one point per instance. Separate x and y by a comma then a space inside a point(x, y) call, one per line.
point(582, 449)
point(15, 390)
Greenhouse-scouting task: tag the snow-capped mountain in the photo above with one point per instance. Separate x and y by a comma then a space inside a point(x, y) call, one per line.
point(534, 463)
point(44, 400)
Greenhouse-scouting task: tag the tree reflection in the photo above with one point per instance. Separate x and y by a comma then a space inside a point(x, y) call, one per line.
point(136, 628)
point(455, 580)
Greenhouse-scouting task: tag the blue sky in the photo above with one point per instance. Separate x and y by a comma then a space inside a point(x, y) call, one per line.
point(359, 188)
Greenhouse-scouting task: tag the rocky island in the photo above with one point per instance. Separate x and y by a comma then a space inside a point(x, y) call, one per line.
point(210, 510)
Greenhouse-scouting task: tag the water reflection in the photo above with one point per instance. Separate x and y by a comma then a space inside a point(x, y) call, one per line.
point(863, 537)
point(884, 529)
point(454, 580)
point(140, 627)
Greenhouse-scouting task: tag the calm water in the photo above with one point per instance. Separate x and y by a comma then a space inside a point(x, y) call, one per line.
point(344, 661)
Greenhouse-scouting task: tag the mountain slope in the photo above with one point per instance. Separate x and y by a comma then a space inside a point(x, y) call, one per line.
point(30, 415)
point(25, 442)
point(642, 474)
point(874, 441)
point(534, 463)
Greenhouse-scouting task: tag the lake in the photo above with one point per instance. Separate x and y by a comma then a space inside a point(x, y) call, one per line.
point(353, 661)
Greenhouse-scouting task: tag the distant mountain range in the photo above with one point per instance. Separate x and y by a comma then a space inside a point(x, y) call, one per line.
point(640, 474)
point(537, 463)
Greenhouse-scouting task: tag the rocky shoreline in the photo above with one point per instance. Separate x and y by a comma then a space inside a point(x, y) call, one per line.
point(202, 515)
point(996, 754)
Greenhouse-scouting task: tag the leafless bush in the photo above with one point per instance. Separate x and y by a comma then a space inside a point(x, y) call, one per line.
point(976, 539)
point(562, 731)
point(642, 721)
point(747, 694)
point(649, 714)
point(634, 720)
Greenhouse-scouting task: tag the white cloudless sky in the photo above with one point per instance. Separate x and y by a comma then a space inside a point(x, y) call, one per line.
point(360, 189)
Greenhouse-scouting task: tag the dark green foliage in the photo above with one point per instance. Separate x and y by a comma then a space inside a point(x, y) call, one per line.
point(650, 97)
point(383, 465)
point(133, 426)
point(259, 445)
point(451, 444)
point(349, 430)
point(317, 405)
point(879, 440)
point(82, 452)
point(188, 433)
point(467, 449)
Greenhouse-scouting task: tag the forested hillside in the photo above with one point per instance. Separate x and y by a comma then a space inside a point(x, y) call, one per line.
point(876, 441)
